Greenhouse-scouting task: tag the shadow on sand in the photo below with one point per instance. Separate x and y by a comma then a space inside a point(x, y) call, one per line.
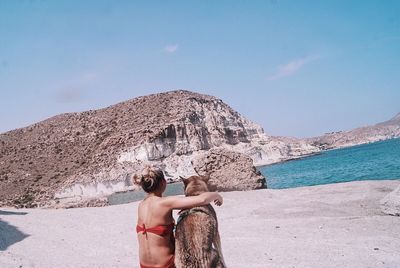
point(2, 212)
point(10, 234)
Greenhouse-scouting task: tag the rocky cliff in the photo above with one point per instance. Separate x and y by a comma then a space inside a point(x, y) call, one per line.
point(77, 156)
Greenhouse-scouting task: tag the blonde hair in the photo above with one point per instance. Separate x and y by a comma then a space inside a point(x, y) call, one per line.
point(150, 179)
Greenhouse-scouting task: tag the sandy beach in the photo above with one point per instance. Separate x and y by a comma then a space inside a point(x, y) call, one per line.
point(336, 225)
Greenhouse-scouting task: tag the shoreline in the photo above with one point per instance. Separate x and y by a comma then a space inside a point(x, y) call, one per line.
point(323, 151)
point(292, 159)
point(319, 226)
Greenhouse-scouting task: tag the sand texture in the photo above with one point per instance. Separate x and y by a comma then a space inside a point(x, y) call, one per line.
point(336, 225)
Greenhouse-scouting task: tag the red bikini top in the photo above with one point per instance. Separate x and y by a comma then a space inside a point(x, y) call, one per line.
point(161, 230)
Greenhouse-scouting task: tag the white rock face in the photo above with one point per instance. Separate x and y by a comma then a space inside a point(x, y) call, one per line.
point(93, 189)
point(390, 204)
point(211, 124)
point(117, 179)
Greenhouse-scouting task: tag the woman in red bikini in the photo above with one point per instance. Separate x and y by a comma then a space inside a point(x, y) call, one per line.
point(155, 222)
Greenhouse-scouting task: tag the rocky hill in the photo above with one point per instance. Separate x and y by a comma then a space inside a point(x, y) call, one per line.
point(78, 156)
point(82, 157)
point(382, 131)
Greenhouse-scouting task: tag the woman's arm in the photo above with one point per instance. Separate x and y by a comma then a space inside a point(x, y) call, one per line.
point(177, 202)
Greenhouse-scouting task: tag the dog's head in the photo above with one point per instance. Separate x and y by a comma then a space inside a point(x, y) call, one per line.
point(195, 185)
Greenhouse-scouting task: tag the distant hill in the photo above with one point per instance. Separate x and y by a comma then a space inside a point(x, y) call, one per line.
point(394, 120)
point(381, 131)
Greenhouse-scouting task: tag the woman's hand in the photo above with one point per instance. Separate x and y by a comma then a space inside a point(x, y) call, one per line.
point(219, 200)
point(177, 202)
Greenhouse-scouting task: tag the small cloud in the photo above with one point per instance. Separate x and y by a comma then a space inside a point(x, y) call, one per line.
point(171, 48)
point(68, 95)
point(292, 67)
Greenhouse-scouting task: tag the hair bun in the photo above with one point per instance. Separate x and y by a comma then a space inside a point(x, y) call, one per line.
point(150, 178)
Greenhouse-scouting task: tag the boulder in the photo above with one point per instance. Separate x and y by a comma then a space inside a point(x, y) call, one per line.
point(390, 204)
point(228, 170)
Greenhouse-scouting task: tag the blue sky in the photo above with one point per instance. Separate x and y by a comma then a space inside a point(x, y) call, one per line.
point(298, 68)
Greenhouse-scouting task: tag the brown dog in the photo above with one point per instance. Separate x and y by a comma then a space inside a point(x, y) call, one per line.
point(198, 243)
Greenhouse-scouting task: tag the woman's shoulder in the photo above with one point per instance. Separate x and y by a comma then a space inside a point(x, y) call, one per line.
point(151, 201)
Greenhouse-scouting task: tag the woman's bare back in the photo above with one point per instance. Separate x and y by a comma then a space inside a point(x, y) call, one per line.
point(154, 249)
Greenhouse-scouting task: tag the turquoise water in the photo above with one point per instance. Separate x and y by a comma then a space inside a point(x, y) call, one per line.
point(132, 196)
point(374, 161)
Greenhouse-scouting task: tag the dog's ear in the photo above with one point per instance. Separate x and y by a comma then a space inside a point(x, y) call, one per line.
point(206, 177)
point(184, 180)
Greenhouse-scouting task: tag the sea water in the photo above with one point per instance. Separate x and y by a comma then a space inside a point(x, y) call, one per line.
point(373, 161)
point(131, 196)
